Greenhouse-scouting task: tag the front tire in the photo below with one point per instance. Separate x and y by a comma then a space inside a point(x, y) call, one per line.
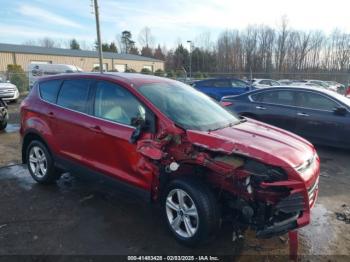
point(40, 163)
point(191, 211)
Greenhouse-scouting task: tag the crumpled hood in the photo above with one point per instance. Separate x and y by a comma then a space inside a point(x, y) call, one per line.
point(258, 140)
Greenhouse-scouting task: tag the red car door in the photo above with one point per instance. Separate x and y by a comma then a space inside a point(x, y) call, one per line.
point(70, 118)
point(110, 151)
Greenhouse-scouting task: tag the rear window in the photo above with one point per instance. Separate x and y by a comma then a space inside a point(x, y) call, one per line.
point(49, 90)
point(74, 95)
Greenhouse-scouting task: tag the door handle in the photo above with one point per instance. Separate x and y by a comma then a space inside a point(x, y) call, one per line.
point(96, 129)
point(50, 114)
point(302, 114)
point(260, 108)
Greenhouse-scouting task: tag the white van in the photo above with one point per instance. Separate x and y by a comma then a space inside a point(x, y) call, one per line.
point(35, 71)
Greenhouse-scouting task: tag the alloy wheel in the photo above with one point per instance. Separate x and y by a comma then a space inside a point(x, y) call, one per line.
point(37, 162)
point(182, 213)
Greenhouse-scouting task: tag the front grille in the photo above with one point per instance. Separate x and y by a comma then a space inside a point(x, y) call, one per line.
point(7, 95)
point(312, 192)
point(9, 89)
point(292, 204)
point(7, 92)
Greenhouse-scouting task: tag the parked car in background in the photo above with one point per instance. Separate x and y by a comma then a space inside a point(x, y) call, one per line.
point(305, 84)
point(340, 88)
point(171, 143)
point(322, 84)
point(36, 71)
point(316, 114)
point(263, 83)
point(3, 114)
point(287, 82)
point(218, 87)
point(8, 91)
point(347, 92)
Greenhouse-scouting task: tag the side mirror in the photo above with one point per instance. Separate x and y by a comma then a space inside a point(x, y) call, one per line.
point(8, 81)
point(140, 125)
point(340, 111)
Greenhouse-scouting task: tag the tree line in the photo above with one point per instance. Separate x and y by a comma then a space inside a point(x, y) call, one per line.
point(257, 48)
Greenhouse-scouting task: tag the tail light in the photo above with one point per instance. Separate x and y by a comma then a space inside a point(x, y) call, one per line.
point(226, 103)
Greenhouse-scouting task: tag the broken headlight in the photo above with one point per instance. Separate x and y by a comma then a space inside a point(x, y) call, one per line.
point(306, 165)
point(264, 173)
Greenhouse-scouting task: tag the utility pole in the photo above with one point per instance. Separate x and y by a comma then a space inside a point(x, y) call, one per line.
point(98, 36)
point(190, 42)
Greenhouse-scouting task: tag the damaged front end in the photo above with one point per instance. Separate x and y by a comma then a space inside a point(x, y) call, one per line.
point(262, 197)
point(262, 191)
point(266, 198)
point(255, 191)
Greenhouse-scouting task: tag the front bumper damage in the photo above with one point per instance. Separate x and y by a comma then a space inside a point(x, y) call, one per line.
point(291, 212)
point(266, 194)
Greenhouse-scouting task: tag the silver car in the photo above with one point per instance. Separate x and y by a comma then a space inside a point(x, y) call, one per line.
point(8, 91)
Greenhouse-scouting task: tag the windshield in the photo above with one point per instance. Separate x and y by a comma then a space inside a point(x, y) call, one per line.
point(187, 107)
point(275, 83)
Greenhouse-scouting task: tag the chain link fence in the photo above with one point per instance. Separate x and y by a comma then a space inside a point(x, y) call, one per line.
point(340, 77)
point(22, 81)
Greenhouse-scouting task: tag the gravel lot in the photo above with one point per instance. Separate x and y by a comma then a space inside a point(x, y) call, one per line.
point(81, 217)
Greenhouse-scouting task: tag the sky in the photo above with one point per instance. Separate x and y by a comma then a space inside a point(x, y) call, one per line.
point(170, 21)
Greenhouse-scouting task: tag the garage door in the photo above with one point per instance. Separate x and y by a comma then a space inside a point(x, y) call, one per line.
point(120, 67)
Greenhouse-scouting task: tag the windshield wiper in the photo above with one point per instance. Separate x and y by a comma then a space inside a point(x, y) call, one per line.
point(214, 129)
point(242, 119)
point(228, 125)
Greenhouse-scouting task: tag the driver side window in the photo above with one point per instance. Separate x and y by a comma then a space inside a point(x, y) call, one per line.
point(116, 104)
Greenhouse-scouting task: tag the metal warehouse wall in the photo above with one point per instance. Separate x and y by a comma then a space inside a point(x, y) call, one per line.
point(86, 63)
point(5, 59)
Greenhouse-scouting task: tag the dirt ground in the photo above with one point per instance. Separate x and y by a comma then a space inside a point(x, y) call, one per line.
point(87, 218)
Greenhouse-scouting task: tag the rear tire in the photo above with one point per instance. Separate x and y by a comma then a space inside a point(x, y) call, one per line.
point(191, 211)
point(3, 125)
point(40, 163)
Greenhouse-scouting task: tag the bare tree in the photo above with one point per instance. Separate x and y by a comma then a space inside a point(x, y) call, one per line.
point(281, 44)
point(146, 38)
point(48, 42)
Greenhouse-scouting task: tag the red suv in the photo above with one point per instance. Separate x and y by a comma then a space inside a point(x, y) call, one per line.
point(175, 145)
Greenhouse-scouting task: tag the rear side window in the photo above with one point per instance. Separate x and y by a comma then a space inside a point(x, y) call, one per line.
point(49, 90)
point(74, 95)
point(222, 83)
point(207, 83)
point(275, 97)
point(238, 83)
